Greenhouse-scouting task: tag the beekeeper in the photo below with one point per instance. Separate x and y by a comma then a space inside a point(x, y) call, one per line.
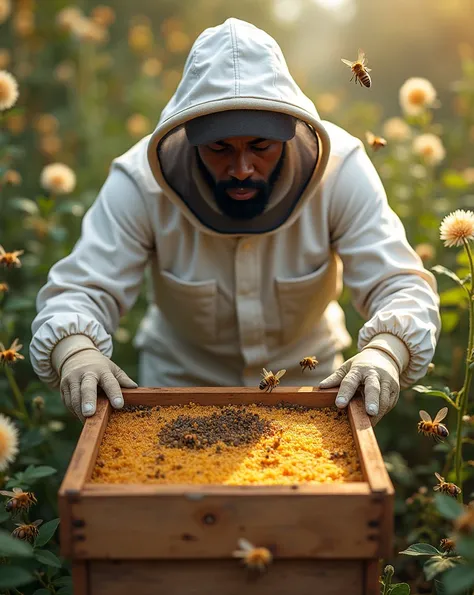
point(245, 213)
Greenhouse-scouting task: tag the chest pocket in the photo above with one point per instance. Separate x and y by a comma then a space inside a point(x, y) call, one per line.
point(303, 300)
point(190, 306)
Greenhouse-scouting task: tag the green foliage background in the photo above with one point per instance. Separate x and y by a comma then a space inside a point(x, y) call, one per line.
point(92, 89)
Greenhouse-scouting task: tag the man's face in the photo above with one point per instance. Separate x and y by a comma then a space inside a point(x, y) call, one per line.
point(242, 172)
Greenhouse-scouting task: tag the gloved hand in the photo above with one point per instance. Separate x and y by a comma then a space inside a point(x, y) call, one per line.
point(81, 367)
point(377, 371)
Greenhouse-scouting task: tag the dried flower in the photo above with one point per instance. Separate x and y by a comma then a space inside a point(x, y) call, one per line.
point(46, 124)
point(140, 38)
point(38, 402)
point(457, 228)
point(417, 94)
point(138, 125)
point(425, 251)
point(8, 442)
point(5, 10)
point(11, 177)
point(255, 558)
point(4, 288)
point(103, 15)
point(151, 67)
point(50, 145)
point(430, 148)
point(24, 22)
point(68, 17)
point(5, 57)
point(10, 259)
point(8, 90)
point(396, 129)
point(10, 355)
point(58, 178)
point(88, 30)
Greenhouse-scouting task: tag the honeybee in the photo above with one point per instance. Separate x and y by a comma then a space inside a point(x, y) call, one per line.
point(359, 70)
point(19, 500)
point(447, 488)
point(270, 380)
point(255, 558)
point(27, 532)
point(433, 428)
point(447, 544)
point(308, 362)
point(376, 142)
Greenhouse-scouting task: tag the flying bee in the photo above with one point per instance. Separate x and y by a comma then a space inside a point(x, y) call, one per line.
point(447, 488)
point(433, 428)
point(255, 558)
point(359, 70)
point(376, 142)
point(27, 532)
point(308, 362)
point(19, 500)
point(270, 380)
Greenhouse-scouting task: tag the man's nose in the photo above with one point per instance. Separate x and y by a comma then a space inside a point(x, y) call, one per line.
point(241, 166)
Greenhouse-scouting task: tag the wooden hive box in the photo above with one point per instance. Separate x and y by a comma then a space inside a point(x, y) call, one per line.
point(179, 539)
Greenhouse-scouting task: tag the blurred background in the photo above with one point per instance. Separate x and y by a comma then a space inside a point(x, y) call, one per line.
point(93, 78)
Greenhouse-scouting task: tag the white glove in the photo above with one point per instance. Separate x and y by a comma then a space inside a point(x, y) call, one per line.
point(377, 367)
point(81, 367)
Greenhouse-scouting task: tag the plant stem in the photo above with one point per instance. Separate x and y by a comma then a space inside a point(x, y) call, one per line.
point(18, 396)
point(467, 377)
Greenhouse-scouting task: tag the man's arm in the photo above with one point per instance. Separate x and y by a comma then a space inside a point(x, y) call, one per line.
point(389, 286)
point(88, 291)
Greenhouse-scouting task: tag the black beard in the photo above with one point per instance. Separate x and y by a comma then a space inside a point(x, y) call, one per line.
point(242, 209)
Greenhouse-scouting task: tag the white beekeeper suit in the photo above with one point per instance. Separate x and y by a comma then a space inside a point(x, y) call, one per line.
point(228, 297)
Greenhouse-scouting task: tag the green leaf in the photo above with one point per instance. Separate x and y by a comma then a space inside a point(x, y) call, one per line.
point(25, 204)
point(436, 565)
point(16, 304)
point(421, 549)
point(400, 589)
point(46, 532)
point(453, 296)
point(430, 392)
point(465, 547)
point(448, 507)
point(65, 591)
point(10, 546)
point(440, 270)
point(4, 515)
point(42, 592)
point(63, 581)
point(32, 473)
point(48, 558)
point(31, 438)
point(14, 576)
point(449, 320)
point(458, 580)
point(440, 590)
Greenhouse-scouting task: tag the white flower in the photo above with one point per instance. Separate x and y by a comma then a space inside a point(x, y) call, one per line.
point(430, 148)
point(68, 17)
point(5, 10)
point(8, 442)
point(8, 90)
point(58, 178)
point(416, 94)
point(396, 129)
point(457, 227)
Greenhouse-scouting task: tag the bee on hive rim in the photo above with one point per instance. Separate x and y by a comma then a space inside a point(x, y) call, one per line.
point(308, 362)
point(433, 428)
point(360, 70)
point(254, 558)
point(19, 500)
point(376, 142)
point(446, 487)
point(27, 532)
point(270, 380)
